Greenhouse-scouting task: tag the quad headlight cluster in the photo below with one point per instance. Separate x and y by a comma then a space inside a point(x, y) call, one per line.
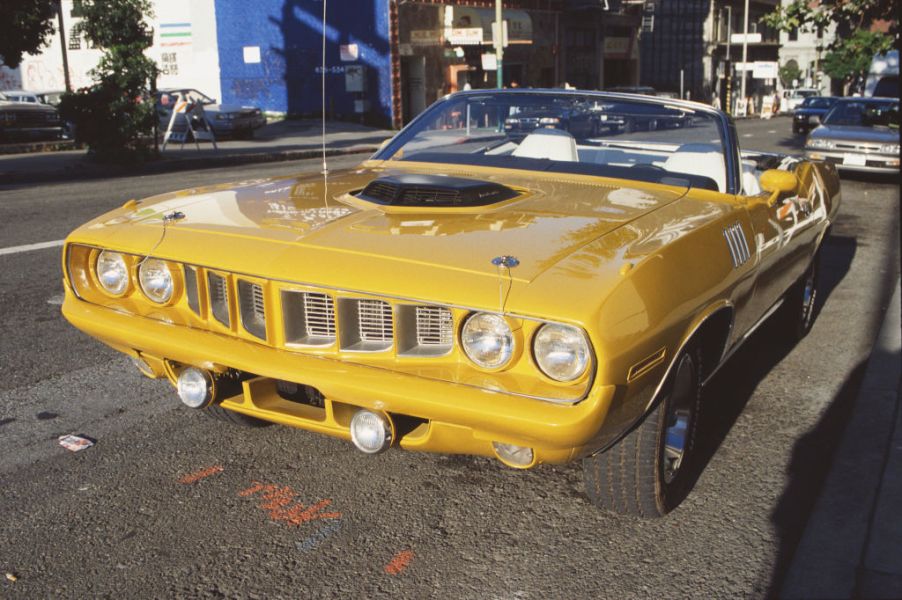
point(560, 351)
point(154, 276)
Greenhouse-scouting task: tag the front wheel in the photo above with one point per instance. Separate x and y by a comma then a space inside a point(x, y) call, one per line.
point(647, 473)
point(800, 302)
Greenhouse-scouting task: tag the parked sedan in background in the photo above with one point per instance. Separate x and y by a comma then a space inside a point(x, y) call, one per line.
point(226, 120)
point(858, 134)
point(28, 121)
point(810, 112)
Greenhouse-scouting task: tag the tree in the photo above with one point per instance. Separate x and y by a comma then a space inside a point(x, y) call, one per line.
point(116, 115)
point(850, 54)
point(789, 73)
point(25, 26)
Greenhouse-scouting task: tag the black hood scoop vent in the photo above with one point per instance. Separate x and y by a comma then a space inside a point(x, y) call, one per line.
point(428, 191)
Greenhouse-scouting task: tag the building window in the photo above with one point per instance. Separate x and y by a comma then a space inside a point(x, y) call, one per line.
point(75, 38)
point(794, 34)
point(820, 32)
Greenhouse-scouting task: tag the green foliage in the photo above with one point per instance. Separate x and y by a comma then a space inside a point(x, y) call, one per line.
point(850, 54)
point(25, 26)
point(116, 115)
point(789, 72)
point(853, 59)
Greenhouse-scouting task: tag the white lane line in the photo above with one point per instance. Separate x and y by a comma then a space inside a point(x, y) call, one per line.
point(746, 135)
point(30, 247)
point(772, 131)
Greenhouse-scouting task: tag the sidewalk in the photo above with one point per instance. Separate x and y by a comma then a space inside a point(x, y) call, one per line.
point(282, 140)
point(852, 544)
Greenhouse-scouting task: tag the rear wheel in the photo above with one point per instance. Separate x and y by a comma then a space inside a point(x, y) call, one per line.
point(647, 473)
point(221, 414)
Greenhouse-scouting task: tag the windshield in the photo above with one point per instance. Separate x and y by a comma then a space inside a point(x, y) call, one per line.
point(595, 134)
point(818, 102)
point(864, 114)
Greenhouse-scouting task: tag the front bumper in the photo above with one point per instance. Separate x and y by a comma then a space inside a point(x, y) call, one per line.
point(873, 163)
point(457, 419)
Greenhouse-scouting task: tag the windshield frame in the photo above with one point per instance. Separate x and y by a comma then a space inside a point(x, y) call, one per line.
point(725, 126)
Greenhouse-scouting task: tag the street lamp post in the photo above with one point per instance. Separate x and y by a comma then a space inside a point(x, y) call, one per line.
point(729, 70)
point(745, 48)
point(499, 44)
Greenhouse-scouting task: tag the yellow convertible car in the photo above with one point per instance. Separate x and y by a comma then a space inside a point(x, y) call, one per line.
point(550, 292)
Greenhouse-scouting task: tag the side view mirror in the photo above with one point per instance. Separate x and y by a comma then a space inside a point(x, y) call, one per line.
point(776, 183)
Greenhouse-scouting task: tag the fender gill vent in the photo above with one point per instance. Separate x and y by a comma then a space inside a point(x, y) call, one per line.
point(739, 248)
point(435, 190)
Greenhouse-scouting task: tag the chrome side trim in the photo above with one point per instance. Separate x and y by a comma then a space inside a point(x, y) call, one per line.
point(737, 244)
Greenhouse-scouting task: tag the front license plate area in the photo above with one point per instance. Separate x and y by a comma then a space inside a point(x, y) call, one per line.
point(857, 160)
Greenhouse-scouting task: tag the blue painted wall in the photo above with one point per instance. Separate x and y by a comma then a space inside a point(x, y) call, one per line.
point(289, 34)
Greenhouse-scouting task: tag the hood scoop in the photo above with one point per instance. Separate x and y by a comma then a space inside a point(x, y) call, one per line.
point(437, 191)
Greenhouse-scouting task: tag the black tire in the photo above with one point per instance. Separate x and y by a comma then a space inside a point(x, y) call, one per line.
point(800, 302)
point(641, 475)
point(229, 416)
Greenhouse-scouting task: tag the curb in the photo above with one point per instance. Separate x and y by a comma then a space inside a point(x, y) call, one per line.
point(87, 170)
point(852, 543)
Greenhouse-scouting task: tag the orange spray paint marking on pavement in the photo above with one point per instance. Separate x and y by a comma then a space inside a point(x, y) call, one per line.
point(281, 505)
point(399, 562)
point(202, 474)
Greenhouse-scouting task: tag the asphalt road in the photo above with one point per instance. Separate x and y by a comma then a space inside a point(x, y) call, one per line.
point(171, 503)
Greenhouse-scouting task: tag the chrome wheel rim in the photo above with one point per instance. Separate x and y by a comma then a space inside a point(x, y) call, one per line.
point(680, 412)
point(809, 292)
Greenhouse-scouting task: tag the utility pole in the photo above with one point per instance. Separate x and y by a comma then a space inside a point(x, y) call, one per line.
point(59, 17)
point(498, 34)
point(728, 105)
point(745, 49)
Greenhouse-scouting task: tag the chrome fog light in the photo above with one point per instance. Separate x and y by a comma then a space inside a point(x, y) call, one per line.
point(195, 387)
point(371, 432)
point(513, 455)
point(156, 280)
point(488, 340)
point(112, 272)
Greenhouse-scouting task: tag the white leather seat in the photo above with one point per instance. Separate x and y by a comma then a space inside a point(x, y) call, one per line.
point(699, 159)
point(750, 184)
point(552, 144)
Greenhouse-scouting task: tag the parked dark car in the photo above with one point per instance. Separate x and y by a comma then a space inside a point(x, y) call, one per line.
point(577, 119)
point(28, 121)
point(810, 112)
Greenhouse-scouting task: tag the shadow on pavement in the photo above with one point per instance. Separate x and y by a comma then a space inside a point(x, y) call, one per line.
point(726, 395)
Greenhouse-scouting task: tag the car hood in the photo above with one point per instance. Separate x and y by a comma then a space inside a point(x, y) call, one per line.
point(316, 230)
point(855, 133)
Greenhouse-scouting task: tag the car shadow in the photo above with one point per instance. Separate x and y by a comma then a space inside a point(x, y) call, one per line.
point(725, 396)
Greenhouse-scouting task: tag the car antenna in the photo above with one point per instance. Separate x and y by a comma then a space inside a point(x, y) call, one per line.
point(508, 262)
point(168, 218)
point(323, 113)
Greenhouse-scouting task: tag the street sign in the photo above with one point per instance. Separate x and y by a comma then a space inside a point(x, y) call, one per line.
point(751, 38)
point(764, 70)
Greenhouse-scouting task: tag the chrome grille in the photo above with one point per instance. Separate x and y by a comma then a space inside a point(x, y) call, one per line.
point(309, 318)
point(219, 298)
point(191, 290)
point(319, 315)
point(374, 321)
point(434, 326)
point(253, 309)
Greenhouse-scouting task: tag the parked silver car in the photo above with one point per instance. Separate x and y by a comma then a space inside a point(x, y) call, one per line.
point(28, 121)
point(858, 134)
point(225, 119)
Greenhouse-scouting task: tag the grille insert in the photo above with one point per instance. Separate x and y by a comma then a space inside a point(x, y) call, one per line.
point(365, 325)
point(309, 318)
point(253, 308)
point(219, 298)
point(424, 330)
point(191, 289)
point(434, 327)
point(374, 321)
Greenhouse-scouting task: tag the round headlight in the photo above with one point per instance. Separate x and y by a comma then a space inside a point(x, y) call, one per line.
point(156, 280)
point(488, 340)
point(112, 272)
point(561, 351)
